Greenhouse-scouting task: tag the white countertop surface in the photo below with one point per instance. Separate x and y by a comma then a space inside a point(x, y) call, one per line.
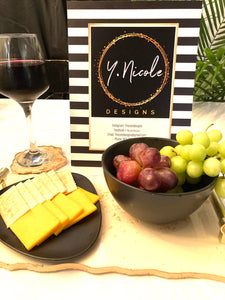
point(190, 245)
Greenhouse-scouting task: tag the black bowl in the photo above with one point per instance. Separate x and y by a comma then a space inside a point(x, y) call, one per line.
point(157, 208)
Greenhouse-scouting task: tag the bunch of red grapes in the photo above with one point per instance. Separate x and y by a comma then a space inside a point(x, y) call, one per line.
point(145, 168)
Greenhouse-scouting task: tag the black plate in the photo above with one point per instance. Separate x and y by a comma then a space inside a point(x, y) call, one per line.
point(70, 243)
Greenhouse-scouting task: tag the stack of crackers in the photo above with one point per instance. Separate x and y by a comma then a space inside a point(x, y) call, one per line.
point(45, 205)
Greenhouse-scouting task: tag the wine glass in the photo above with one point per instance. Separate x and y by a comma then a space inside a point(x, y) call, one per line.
point(23, 78)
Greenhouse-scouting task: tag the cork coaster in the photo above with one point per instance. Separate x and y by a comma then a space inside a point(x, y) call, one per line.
point(58, 161)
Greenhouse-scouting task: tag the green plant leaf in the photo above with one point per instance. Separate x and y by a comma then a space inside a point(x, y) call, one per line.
point(210, 73)
point(200, 70)
point(210, 56)
point(220, 52)
point(216, 73)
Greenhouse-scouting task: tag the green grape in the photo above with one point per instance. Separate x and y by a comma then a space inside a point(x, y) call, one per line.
point(198, 152)
point(223, 166)
point(168, 150)
point(194, 169)
point(201, 138)
point(212, 150)
point(178, 164)
point(184, 137)
point(220, 187)
point(181, 178)
point(212, 167)
point(193, 180)
point(221, 148)
point(215, 135)
point(185, 152)
point(178, 149)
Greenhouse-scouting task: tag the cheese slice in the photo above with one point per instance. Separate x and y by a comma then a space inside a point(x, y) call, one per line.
point(59, 214)
point(81, 199)
point(35, 226)
point(71, 209)
point(91, 196)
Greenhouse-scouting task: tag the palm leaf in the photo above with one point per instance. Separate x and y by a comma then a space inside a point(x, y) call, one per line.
point(212, 29)
point(210, 75)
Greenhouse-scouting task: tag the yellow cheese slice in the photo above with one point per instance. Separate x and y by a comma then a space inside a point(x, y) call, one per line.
point(35, 226)
point(71, 209)
point(67, 179)
point(81, 199)
point(63, 218)
point(91, 196)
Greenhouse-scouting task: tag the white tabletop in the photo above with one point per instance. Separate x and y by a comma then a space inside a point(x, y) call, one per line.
point(123, 240)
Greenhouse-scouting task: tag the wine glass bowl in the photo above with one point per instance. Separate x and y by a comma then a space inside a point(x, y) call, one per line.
point(24, 79)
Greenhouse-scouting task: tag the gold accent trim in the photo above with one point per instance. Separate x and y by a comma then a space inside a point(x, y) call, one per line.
point(173, 76)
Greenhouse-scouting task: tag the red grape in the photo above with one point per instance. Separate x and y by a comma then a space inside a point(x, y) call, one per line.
point(118, 159)
point(150, 157)
point(149, 179)
point(136, 149)
point(128, 171)
point(168, 179)
point(164, 162)
point(146, 168)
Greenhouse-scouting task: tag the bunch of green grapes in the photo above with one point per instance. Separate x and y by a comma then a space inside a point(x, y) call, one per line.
point(202, 153)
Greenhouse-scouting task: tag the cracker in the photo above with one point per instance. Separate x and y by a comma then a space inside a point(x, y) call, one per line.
point(27, 195)
point(42, 188)
point(34, 191)
point(52, 188)
point(56, 180)
point(67, 179)
point(13, 206)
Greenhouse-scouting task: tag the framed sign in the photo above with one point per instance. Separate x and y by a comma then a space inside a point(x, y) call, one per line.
point(131, 81)
point(131, 71)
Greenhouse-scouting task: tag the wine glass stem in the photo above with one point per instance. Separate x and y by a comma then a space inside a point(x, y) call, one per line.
point(28, 114)
point(34, 157)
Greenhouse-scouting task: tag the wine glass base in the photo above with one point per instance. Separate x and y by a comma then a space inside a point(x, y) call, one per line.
point(34, 158)
point(53, 159)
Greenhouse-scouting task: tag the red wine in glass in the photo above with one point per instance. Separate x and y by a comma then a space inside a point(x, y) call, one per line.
point(24, 79)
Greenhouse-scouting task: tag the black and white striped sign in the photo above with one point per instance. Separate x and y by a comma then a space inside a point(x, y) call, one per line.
point(80, 14)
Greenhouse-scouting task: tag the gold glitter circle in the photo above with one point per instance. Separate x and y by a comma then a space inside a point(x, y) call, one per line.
point(148, 39)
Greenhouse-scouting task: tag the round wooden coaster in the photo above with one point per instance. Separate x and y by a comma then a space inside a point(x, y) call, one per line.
point(58, 161)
